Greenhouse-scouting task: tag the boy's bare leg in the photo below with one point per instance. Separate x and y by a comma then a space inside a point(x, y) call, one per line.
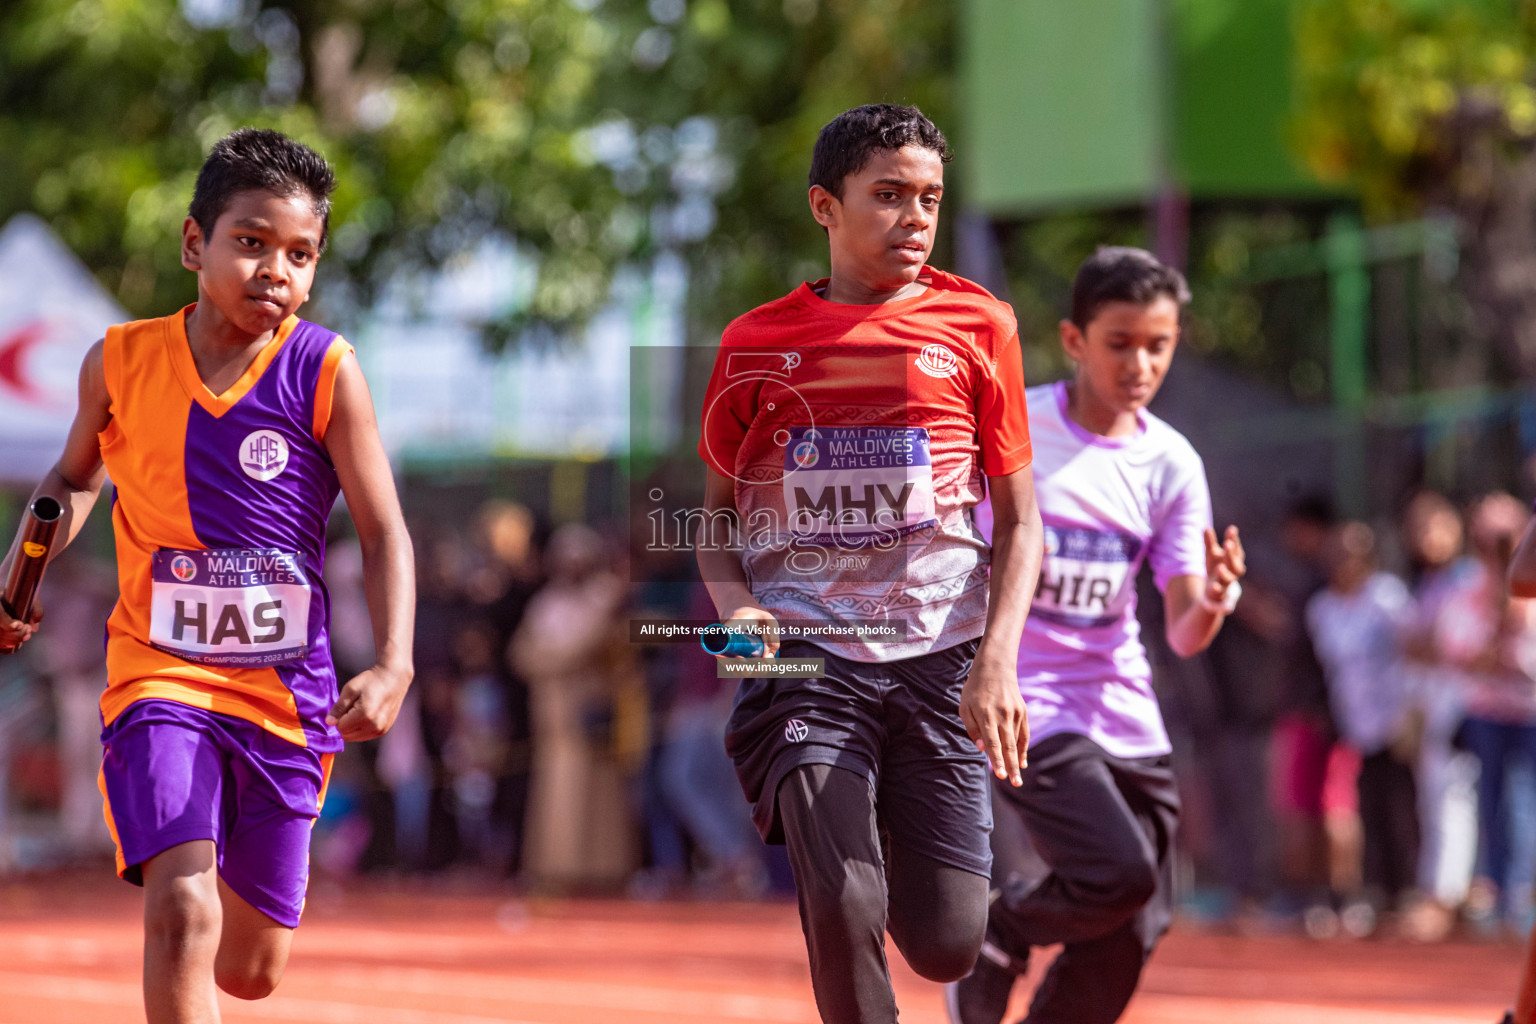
point(182, 921)
point(253, 949)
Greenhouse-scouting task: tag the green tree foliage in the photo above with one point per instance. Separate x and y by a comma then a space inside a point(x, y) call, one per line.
point(1429, 104)
point(590, 134)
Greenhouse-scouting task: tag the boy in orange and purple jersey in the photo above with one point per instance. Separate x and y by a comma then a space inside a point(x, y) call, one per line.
point(228, 430)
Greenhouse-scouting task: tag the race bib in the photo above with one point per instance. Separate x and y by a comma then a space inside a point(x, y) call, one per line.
point(231, 606)
point(1087, 576)
point(848, 486)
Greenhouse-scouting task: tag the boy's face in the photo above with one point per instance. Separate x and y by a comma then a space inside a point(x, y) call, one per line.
point(1124, 353)
point(883, 227)
point(258, 262)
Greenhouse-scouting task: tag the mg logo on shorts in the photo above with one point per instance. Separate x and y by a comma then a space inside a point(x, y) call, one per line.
point(263, 454)
point(795, 730)
point(938, 361)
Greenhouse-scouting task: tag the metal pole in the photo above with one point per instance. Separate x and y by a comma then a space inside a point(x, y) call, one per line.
point(1349, 295)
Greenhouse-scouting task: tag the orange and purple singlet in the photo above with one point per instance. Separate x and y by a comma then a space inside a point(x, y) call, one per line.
point(220, 515)
point(219, 672)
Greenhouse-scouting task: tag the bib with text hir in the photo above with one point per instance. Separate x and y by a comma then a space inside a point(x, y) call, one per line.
point(1086, 578)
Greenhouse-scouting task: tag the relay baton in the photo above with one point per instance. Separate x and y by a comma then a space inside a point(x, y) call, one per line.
point(725, 642)
point(37, 535)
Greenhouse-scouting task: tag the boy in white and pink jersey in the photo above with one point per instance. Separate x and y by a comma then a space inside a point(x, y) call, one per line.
point(1116, 487)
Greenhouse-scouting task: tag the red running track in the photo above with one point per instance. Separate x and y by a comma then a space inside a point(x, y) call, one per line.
point(70, 954)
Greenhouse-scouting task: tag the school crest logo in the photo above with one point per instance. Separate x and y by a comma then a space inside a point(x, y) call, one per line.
point(263, 454)
point(795, 730)
point(183, 568)
point(938, 361)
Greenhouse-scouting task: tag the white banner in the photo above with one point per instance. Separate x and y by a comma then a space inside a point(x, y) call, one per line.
point(51, 311)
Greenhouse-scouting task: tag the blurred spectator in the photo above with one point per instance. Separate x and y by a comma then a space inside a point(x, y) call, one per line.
point(442, 564)
point(351, 629)
point(697, 776)
point(476, 751)
point(1315, 852)
point(78, 595)
point(1493, 637)
point(664, 594)
point(1447, 777)
point(588, 726)
point(406, 771)
point(1355, 623)
point(1246, 687)
point(500, 589)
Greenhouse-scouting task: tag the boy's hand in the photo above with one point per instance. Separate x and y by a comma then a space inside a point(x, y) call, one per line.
point(758, 621)
point(1225, 563)
point(994, 716)
point(14, 632)
point(369, 703)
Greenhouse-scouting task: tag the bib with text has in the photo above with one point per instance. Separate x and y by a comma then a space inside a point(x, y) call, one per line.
point(243, 607)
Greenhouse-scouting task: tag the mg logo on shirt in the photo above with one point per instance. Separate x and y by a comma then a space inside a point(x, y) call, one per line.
point(263, 454)
point(938, 361)
point(795, 730)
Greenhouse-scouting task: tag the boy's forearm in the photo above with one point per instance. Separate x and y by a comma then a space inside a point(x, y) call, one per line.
point(1193, 630)
point(389, 582)
point(1017, 550)
point(723, 577)
point(77, 501)
point(1522, 566)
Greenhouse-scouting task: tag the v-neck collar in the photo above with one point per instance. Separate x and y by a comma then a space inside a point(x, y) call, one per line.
point(186, 367)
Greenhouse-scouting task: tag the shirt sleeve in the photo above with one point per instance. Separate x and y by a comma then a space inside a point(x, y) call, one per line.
point(1002, 414)
point(725, 420)
point(1178, 544)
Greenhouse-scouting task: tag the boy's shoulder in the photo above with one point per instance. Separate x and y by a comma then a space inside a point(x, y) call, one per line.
point(768, 321)
point(1166, 439)
point(964, 305)
point(959, 296)
point(134, 329)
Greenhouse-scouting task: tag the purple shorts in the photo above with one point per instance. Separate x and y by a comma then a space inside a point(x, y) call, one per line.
point(172, 773)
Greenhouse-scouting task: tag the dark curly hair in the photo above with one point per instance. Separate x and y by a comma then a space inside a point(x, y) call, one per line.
point(1117, 273)
point(847, 141)
point(261, 160)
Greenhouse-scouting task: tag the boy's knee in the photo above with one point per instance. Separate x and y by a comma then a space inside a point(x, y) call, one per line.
point(943, 958)
point(248, 980)
point(181, 914)
point(858, 905)
point(1128, 886)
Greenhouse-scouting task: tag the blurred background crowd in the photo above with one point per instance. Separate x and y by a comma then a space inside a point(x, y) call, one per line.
point(1357, 749)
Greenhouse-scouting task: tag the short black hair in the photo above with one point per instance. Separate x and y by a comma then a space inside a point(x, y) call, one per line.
point(261, 160)
point(1118, 273)
point(1314, 510)
point(849, 139)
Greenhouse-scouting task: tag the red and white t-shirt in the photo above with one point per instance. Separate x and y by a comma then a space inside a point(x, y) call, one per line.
point(858, 438)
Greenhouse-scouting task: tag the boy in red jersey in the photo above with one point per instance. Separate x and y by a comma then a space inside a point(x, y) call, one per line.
point(228, 430)
point(849, 428)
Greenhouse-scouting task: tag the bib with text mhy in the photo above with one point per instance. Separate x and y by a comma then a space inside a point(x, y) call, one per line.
point(231, 606)
point(848, 486)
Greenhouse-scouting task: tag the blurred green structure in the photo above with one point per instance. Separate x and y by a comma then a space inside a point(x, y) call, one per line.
point(1099, 106)
point(1112, 101)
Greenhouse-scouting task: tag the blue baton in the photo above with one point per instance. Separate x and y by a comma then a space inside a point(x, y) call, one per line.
point(725, 642)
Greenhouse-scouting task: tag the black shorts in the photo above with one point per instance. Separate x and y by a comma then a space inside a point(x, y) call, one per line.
point(897, 723)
